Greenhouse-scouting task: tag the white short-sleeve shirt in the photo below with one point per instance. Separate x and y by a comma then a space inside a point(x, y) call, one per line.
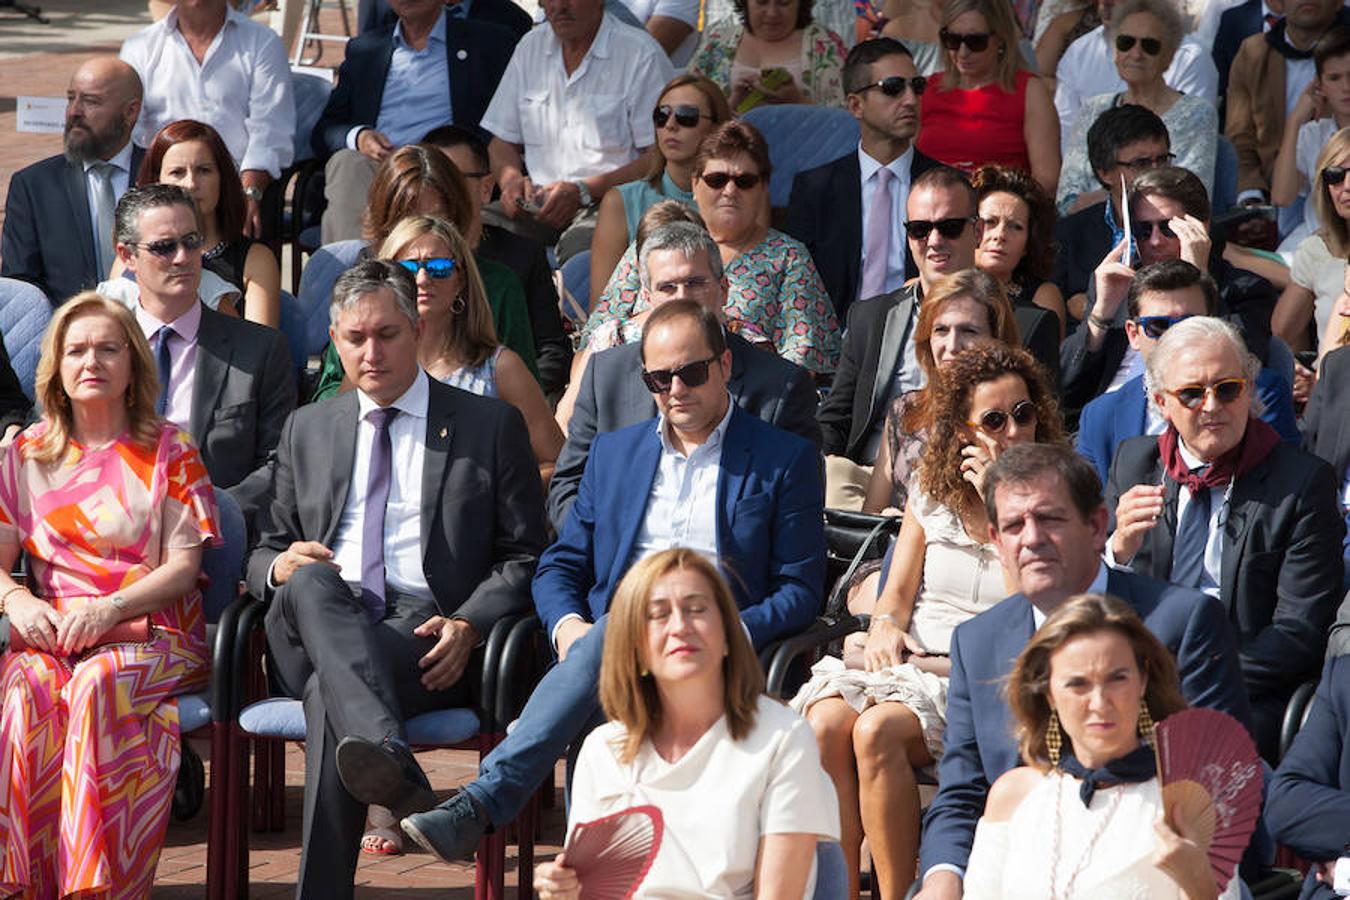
point(685, 11)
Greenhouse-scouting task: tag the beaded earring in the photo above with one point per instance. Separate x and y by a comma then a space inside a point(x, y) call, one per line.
point(1146, 725)
point(1053, 739)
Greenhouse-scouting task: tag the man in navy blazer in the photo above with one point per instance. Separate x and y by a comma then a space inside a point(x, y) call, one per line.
point(1046, 514)
point(1308, 802)
point(705, 475)
point(1235, 26)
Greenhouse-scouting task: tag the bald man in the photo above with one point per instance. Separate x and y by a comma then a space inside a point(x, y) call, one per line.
point(59, 212)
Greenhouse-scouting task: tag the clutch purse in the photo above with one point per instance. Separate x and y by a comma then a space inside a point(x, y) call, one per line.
point(132, 631)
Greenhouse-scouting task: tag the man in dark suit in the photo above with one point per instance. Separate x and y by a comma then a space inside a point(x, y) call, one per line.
point(679, 260)
point(1235, 26)
point(855, 205)
point(405, 520)
point(1046, 515)
point(705, 475)
point(1308, 802)
point(1325, 433)
point(375, 15)
point(58, 232)
point(1218, 503)
point(391, 90)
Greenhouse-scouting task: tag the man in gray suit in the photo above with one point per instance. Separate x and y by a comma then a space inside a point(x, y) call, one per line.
point(679, 260)
point(405, 520)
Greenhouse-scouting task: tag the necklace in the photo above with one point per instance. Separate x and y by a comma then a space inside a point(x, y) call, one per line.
point(1112, 804)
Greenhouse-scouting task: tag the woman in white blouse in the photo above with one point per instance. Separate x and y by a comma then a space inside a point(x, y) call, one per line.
point(735, 774)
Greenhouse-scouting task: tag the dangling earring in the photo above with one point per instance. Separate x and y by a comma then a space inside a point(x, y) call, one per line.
point(1053, 739)
point(1146, 725)
point(457, 305)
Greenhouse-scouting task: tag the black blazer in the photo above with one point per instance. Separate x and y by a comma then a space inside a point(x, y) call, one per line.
point(476, 52)
point(612, 396)
point(482, 520)
point(874, 341)
point(1326, 425)
point(48, 239)
point(374, 15)
point(1083, 240)
point(552, 347)
point(1235, 26)
point(825, 214)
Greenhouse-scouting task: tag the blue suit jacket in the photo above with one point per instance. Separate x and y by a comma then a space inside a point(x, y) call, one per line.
point(1122, 414)
point(1308, 803)
point(979, 744)
point(770, 526)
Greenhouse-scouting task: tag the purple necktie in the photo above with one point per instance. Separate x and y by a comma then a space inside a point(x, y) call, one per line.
point(878, 237)
point(372, 524)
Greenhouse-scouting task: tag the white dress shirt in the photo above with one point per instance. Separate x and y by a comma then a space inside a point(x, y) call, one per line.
point(182, 359)
point(685, 11)
point(242, 88)
point(120, 179)
point(899, 190)
point(591, 122)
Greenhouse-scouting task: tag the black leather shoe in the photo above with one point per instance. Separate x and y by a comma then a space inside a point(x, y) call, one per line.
point(452, 830)
point(384, 774)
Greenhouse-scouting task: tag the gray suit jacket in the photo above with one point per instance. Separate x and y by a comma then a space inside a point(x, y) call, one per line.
point(613, 396)
point(243, 390)
point(482, 505)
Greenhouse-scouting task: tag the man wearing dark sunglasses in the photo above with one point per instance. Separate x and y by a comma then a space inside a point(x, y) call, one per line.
point(853, 228)
point(1219, 503)
point(706, 475)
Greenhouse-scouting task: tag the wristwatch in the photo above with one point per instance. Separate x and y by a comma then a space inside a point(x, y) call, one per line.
point(119, 603)
point(585, 193)
point(253, 193)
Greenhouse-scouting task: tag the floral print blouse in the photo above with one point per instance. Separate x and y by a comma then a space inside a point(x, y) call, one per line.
point(822, 61)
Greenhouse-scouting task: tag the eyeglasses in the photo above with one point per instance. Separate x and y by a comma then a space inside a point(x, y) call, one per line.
point(165, 248)
point(693, 374)
point(993, 421)
point(1142, 231)
point(1156, 326)
point(1125, 43)
point(920, 229)
point(1147, 162)
point(685, 114)
point(438, 267)
point(894, 85)
point(103, 351)
point(718, 180)
point(1334, 176)
point(1225, 391)
point(977, 42)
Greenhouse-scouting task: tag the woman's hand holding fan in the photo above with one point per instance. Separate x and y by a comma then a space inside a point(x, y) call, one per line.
point(605, 859)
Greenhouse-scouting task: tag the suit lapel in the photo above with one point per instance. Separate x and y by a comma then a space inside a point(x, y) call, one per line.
point(635, 493)
point(436, 462)
point(1246, 495)
point(731, 476)
point(457, 52)
point(214, 352)
point(342, 439)
point(379, 75)
point(77, 193)
point(893, 335)
point(1135, 415)
point(1164, 533)
point(848, 193)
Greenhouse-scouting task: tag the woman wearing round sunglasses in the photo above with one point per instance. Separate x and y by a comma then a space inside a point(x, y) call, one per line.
point(1145, 35)
point(772, 53)
point(1017, 243)
point(985, 106)
point(689, 108)
point(879, 718)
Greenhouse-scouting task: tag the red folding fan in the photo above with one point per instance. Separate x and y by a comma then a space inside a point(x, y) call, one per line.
point(612, 855)
point(1210, 771)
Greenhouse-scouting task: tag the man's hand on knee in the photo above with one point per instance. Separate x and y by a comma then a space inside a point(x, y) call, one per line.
point(569, 633)
point(444, 663)
point(298, 554)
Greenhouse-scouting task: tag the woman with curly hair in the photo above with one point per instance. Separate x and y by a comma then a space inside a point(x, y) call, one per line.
point(877, 723)
point(1017, 245)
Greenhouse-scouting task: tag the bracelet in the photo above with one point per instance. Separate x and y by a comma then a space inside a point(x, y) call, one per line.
point(1104, 324)
point(883, 617)
point(5, 596)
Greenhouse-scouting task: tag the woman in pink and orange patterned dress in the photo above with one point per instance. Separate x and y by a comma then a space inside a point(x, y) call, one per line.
point(112, 506)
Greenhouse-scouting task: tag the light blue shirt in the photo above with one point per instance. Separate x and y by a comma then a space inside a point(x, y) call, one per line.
point(416, 90)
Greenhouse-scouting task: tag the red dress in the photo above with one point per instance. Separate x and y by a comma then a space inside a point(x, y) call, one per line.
point(970, 128)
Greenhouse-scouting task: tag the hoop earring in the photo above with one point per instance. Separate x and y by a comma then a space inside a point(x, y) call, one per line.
point(457, 305)
point(1054, 741)
point(1146, 733)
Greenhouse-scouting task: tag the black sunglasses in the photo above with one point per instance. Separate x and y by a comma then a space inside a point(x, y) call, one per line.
point(1156, 326)
point(167, 247)
point(1125, 43)
point(1334, 176)
point(894, 85)
point(1226, 391)
point(438, 267)
point(977, 42)
point(993, 421)
point(718, 180)
point(1142, 231)
point(1147, 162)
point(920, 229)
point(685, 114)
point(693, 374)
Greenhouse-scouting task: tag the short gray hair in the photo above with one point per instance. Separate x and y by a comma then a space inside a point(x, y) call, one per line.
point(368, 277)
point(137, 200)
point(1168, 16)
point(1187, 333)
point(684, 237)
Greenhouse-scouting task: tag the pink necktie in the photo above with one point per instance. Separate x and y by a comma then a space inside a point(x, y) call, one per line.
point(878, 237)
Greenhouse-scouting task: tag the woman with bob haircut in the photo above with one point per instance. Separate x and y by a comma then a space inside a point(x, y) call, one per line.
point(735, 774)
point(1086, 817)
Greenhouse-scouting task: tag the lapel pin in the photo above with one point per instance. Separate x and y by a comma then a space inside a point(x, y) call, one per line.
point(462, 55)
point(444, 432)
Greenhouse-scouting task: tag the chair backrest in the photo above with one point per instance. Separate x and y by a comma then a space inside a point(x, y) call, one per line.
point(24, 314)
point(801, 137)
point(310, 314)
point(311, 96)
point(1225, 177)
point(576, 276)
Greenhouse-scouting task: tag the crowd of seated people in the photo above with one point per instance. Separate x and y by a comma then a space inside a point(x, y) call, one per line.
point(1075, 314)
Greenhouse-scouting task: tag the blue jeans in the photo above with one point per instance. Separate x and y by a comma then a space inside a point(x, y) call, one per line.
point(224, 564)
point(561, 712)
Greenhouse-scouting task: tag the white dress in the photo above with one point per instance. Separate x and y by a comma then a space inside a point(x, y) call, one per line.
point(717, 800)
point(1104, 852)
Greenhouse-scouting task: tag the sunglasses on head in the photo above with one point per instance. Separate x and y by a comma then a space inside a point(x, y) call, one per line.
point(693, 374)
point(993, 421)
point(167, 247)
point(1147, 162)
point(685, 114)
point(920, 229)
point(1156, 326)
point(718, 180)
point(1142, 231)
point(977, 42)
point(1225, 391)
point(1125, 43)
point(437, 267)
point(894, 85)
point(1334, 176)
